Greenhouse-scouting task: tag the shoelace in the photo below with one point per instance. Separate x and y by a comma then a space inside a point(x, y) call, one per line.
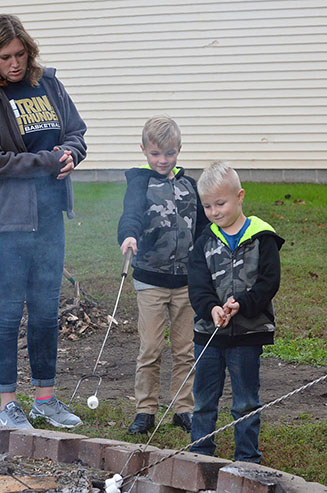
point(18, 414)
point(63, 405)
point(60, 405)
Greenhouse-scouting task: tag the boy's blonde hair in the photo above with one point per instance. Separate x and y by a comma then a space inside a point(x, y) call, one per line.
point(214, 176)
point(162, 131)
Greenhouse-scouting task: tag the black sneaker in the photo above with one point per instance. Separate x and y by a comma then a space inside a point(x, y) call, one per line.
point(184, 420)
point(142, 423)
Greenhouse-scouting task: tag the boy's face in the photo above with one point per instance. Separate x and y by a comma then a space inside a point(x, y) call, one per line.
point(223, 206)
point(161, 160)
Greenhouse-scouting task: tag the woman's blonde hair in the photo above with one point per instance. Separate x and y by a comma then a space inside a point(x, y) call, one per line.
point(162, 131)
point(213, 177)
point(11, 28)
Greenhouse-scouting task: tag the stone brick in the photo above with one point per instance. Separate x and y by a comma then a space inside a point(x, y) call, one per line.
point(188, 471)
point(21, 442)
point(163, 472)
point(57, 446)
point(4, 438)
point(128, 458)
point(196, 472)
point(145, 485)
point(92, 451)
point(247, 477)
point(313, 488)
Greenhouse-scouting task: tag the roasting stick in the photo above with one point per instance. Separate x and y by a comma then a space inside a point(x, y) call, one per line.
point(181, 387)
point(93, 401)
point(168, 409)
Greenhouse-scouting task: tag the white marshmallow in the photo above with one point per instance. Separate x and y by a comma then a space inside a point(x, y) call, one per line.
point(118, 479)
point(112, 488)
point(93, 402)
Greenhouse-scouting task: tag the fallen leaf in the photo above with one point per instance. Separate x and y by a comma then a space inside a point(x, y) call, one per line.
point(314, 275)
point(73, 337)
point(82, 329)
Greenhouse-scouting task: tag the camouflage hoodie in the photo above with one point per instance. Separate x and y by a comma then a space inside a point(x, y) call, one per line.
point(251, 274)
point(164, 216)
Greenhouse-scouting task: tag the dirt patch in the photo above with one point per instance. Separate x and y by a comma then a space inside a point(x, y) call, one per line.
point(81, 337)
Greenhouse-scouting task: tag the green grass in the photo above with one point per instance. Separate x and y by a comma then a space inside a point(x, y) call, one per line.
point(310, 351)
point(312, 195)
point(93, 256)
point(92, 250)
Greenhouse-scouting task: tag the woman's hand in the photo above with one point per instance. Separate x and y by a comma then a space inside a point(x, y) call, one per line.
point(68, 161)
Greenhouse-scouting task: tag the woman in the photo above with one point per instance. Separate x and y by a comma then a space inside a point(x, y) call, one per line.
point(41, 142)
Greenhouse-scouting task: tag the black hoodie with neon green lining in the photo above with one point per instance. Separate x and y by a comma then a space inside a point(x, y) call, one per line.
point(250, 273)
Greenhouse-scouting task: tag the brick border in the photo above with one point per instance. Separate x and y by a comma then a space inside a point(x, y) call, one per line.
point(183, 473)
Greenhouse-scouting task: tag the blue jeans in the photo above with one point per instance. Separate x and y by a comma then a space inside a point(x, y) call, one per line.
point(243, 364)
point(31, 266)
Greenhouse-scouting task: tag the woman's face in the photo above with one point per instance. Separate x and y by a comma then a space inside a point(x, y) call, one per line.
point(13, 61)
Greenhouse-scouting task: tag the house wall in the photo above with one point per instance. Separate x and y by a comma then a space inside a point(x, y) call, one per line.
point(245, 80)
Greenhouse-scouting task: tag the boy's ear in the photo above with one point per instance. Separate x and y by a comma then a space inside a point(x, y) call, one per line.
point(241, 194)
point(142, 147)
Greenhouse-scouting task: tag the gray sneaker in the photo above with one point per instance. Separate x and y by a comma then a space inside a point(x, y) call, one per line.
point(13, 415)
point(56, 413)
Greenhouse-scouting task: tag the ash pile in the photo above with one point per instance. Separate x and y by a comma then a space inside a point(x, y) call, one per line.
point(27, 475)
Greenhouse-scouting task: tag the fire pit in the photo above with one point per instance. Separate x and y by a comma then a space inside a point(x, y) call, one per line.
point(28, 475)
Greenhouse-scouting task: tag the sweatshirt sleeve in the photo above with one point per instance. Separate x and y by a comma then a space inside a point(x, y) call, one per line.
point(267, 284)
point(201, 218)
point(202, 294)
point(27, 165)
point(131, 222)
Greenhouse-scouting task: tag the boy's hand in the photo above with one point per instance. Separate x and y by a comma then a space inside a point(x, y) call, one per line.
point(129, 242)
point(231, 306)
point(219, 316)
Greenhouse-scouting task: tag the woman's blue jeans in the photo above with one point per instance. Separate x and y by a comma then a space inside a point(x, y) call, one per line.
point(31, 266)
point(243, 363)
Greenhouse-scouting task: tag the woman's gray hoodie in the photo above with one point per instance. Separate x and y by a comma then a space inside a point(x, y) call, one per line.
point(19, 168)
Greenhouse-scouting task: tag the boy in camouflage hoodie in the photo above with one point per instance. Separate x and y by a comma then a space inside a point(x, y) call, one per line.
point(162, 216)
point(234, 272)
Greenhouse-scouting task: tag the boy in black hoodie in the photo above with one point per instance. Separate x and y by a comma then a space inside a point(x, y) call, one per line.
point(162, 216)
point(234, 273)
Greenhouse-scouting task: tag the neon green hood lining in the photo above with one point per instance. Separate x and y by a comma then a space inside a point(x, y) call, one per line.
point(175, 170)
point(257, 225)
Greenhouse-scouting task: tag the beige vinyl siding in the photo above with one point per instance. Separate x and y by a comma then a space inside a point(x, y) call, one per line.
point(245, 80)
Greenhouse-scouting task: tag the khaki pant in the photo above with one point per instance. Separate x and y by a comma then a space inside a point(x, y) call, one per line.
point(159, 309)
